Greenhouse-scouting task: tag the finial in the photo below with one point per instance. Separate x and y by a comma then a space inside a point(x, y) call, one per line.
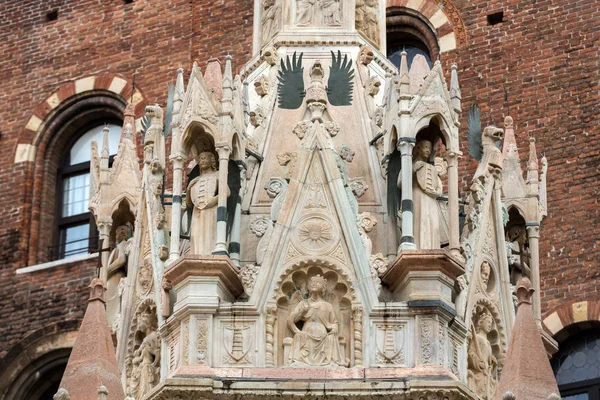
point(509, 396)
point(508, 122)
point(102, 392)
point(524, 291)
point(62, 394)
point(553, 396)
point(97, 290)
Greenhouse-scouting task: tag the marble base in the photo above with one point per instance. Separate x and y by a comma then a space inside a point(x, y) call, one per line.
point(423, 275)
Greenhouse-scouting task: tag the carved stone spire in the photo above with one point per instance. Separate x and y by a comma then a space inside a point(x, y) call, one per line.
point(532, 167)
point(93, 363)
point(128, 122)
point(455, 94)
point(509, 147)
point(527, 372)
point(179, 92)
point(105, 155)
point(404, 77)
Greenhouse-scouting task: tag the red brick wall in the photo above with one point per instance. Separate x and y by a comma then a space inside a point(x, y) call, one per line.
point(148, 38)
point(544, 56)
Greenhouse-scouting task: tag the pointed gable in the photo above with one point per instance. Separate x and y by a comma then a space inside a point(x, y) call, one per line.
point(527, 372)
point(93, 362)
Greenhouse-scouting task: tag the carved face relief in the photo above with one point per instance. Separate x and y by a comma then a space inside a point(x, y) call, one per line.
point(485, 273)
point(145, 276)
point(366, 55)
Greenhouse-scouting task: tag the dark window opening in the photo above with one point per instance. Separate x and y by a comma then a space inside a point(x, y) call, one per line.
point(52, 15)
point(495, 18)
point(408, 31)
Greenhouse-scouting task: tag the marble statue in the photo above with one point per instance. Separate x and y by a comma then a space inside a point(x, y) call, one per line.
point(202, 198)
point(117, 261)
point(367, 19)
point(427, 186)
point(146, 359)
point(270, 20)
point(480, 358)
point(317, 344)
point(318, 12)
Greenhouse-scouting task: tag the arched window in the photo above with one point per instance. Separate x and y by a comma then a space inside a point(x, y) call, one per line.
point(409, 31)
point(75, 228)
point(577, 366)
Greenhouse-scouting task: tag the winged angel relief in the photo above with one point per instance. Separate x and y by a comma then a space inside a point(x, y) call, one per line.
point(338, 92)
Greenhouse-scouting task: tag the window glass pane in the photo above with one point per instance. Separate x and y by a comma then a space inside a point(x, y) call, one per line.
point(395, 54)
point(578, 359)
point(75, 240)
point(81, 150)
point(581, 396)
point(76, 192)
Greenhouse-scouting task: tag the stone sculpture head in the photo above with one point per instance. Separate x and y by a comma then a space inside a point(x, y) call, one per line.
point(423, 149)
point(365, 55)
point(121, 233)
point(317, 284)
point(485, 273)
point(485, 322)
point(206, 160)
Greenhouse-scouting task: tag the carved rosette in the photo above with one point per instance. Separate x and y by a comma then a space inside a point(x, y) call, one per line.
point(316, 234)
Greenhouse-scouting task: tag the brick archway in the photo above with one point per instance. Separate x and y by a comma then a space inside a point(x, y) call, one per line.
point(572, 313)
point(30, 136)
point(443, 16)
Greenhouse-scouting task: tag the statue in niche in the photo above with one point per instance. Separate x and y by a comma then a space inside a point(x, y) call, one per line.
point(270, 20)
point(145, 372)
point(517, 253)
point(480, 357)
point(367, 19)
point(117, 261)
point(427, 187)
point(317, 344)
point(318, 12)
point(202, 198)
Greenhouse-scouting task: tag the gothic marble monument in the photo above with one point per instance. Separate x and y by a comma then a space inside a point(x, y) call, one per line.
point(310, 240)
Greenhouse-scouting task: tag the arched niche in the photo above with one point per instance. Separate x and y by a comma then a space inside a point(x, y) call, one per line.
point(517, 245)
point(292, 290)
point(436, 125)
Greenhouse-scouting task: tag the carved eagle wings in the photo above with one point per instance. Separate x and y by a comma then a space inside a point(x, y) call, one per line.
point(291, 91)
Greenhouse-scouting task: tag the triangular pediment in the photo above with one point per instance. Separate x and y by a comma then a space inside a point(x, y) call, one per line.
point(199, 100)
point(318, 225)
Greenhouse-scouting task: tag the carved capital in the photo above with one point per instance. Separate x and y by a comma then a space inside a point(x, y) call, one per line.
point(224, 150)
point(406, 146)
point(178, 160)
point(533, 230)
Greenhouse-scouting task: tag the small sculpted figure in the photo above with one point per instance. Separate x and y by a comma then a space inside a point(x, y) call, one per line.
point(427, 187)
point(117, 270)
point(317, 344)
point(480, 358)
point(146, 360)
point(202, 198)
point(270, 19)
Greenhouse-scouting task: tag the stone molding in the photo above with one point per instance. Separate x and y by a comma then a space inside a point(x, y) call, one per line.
point(214, 266)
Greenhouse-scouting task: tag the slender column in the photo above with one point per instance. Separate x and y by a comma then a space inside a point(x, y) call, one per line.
point(178, 161)
point(406, 148)
point(223, 149)
point(234, 242)
point(104, 226)
point(453, 210)
point(533, 233)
